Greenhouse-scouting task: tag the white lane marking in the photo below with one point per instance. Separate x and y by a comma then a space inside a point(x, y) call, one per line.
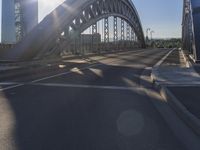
point(8, 83)
point(49, 77)
point(93, 65)
point(86, 86)
point(163, 59)
point(11, 87)
point(146, 80)
point(64, 73)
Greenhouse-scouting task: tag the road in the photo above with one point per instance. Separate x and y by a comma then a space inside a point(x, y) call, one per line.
point(86, 106)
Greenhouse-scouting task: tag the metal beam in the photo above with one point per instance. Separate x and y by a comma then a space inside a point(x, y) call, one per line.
point(106, 30)
point(122, 30)
point(50, 28)
point(115, 30)
point(128, 32)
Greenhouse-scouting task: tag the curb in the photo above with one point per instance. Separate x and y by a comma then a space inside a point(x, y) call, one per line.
point(192, 121)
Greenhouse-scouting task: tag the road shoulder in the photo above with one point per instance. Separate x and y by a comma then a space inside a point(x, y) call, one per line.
point(174, 79)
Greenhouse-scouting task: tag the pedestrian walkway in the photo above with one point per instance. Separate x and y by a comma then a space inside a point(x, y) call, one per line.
point(180, 86)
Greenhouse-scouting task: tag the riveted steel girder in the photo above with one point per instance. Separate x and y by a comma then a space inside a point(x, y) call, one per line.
point(191, 28)
point(115, 29)
point(78, 15)
point(128, 32)
point(122, 30)
point(106, 30)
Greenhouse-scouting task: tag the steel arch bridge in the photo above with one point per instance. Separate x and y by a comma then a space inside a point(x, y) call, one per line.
point(191, 28)
point(68, 21)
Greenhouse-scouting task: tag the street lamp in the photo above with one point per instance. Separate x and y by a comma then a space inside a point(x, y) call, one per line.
point(152, 34)
point(147, 33)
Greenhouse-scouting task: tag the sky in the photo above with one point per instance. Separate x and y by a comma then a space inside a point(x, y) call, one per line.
point(162, 16)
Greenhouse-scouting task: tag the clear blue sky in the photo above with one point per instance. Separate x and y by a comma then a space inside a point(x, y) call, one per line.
point(162, 16)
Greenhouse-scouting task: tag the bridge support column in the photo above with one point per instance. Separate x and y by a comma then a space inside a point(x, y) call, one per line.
point(128, 36)
point(122, 33)
point(115, 33)
point(106, 32)
point(132, 37)
point(196, 25)
point(94, 32)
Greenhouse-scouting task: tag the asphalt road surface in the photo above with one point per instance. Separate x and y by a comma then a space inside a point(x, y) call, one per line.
point(86, 106)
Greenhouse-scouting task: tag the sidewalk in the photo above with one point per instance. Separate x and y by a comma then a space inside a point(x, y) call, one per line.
point(180, 86)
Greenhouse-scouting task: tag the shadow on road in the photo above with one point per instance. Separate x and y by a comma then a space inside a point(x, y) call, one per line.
point(75, 118)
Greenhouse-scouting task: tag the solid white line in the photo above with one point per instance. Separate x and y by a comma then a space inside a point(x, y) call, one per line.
point(11, 87)
point(68, 72)
point(64, 73)
point(163, 59)
point(8, 83)
point(86, 86)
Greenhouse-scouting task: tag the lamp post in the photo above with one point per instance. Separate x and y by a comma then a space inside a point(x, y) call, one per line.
point(147, 34)
point(152, 34)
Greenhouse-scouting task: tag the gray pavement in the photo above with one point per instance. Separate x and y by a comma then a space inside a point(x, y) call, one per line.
point(179, 85)
point(189, 97)
point(87, 106)
point(197, 68)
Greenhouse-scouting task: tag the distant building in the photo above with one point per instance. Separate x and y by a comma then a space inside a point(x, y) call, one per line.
point(91, 38)
point(30, 14)
point(19, 17)
point(8, 35)
point(5, 46)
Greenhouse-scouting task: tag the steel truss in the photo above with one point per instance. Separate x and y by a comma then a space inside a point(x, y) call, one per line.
point(128, 32)
point(190, 28)
point(78, 15)
point(115, 30)
point(106, 30)
point(132, 35)
point(122, 30)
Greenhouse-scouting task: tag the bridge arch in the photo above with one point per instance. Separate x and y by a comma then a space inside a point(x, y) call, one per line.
point(78, 15)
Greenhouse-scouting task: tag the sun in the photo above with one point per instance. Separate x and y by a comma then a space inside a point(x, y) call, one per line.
point(51, 3)
point(46, 6)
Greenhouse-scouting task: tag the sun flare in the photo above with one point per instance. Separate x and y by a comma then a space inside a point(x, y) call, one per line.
point(52, 3)
point(46, 6)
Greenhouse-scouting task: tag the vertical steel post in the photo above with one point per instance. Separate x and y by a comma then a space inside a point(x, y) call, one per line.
point(132, 37)
point(127, 35)
point(115, 36)
point(106, 30)
point(122, 34)
point(122, 30)
point(115, 30)
point(94, 32)
point(128, 32)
